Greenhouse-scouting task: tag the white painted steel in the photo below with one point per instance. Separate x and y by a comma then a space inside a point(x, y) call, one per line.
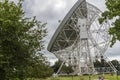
point(80, 39)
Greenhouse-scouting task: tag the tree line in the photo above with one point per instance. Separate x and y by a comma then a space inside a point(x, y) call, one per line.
point(103, 63)
point(21, 38)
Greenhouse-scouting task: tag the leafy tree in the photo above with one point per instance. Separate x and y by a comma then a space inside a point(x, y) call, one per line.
point(56, 66)
point(20, 40)
point(112, 13)
point(97, 64)
point(40, 68)
point(116, 64)
point(64, 69)
point(67, 69)
point(101, 63)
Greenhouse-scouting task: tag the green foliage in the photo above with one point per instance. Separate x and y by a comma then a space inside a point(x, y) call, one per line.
point(86, 77)
point(64, 69)
point(113, 12)
point(116, 64)
point(56, 66)
point(103, 63)
point(97, 64)
point(20, 40)
point(40, 70)
point(67, 69)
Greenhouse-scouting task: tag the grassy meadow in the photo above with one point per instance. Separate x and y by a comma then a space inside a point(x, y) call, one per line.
point(92, 77)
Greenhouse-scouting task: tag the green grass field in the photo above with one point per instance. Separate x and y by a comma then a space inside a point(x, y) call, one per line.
point(93, 77)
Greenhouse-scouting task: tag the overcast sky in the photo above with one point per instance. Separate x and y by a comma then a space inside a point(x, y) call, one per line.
point(51, 11)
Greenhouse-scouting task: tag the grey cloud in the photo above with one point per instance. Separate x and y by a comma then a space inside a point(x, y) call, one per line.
point(115, 50)
point(49, 11)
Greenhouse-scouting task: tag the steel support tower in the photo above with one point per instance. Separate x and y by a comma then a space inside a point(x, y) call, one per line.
point(79, 38)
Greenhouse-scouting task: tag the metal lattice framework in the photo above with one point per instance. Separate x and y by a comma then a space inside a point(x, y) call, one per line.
point(68, 45)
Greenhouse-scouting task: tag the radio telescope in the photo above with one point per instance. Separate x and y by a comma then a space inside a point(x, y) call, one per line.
point(80, 38)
